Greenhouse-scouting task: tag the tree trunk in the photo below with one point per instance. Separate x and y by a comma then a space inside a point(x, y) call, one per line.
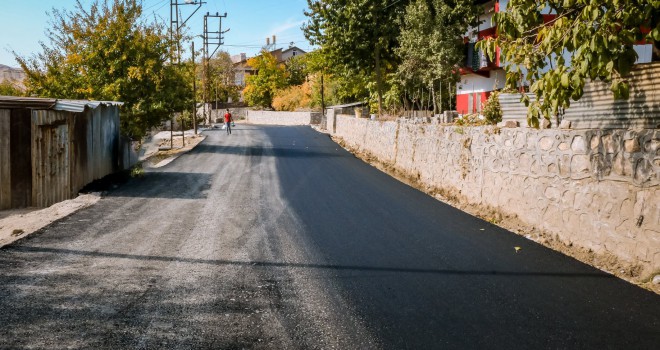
point(435, 106)
point(322, 97)
point(451, 97)
point(379, 81)
point(194, 110)
point(440, 109)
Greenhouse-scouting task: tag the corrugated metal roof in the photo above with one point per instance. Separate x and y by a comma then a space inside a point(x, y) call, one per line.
point(76, 106)
point(12, 102)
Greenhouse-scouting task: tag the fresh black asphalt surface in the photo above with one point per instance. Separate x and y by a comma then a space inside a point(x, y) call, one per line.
point(277, 238)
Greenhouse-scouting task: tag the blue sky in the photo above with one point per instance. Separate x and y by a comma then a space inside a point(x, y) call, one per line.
point(24, 22)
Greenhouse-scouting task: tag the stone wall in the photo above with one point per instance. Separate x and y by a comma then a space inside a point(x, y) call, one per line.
point(283, 118)
point(596, 189)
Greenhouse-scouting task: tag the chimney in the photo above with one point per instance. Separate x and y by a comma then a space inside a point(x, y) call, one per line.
point(267, 41)
point(273, 40)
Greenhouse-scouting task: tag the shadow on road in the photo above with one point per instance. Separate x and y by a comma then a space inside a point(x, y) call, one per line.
point(160, 184)
point(28, 249)
point(280, 152)
point(456, 281)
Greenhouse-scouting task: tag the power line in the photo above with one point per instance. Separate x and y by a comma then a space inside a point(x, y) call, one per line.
point(392, 4)
point(154, 5)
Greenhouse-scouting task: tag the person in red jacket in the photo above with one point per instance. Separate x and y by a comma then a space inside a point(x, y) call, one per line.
point(228, 120)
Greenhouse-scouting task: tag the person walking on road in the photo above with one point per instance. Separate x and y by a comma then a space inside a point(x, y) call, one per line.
point(228, 121)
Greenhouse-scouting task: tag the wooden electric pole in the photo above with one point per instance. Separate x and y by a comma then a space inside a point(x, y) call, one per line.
point(194, 110)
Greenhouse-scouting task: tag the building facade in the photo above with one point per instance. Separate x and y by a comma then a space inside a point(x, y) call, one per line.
point(481, 75)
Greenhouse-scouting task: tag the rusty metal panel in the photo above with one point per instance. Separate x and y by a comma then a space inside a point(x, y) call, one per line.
point(105, 137)
point(48, 117)
point(50, 158)
point(94, 145)
point(110, 139)
point(78, 126)
point(97, 146)
point(20, 152)
point(5, 171)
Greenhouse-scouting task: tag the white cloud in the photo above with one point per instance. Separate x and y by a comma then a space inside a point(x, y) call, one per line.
point(284, 27)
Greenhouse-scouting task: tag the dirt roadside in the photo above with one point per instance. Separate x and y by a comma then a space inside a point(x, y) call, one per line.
point(19, 223)
point(604, 262)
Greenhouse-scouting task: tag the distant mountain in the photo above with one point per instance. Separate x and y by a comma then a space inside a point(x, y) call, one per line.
point(15, 75)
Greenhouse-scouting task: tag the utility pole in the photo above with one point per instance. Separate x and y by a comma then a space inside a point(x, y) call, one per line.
point(176, 22)
point(204, 76)
point(175, 26)
point(211, 38)
point(194, 110)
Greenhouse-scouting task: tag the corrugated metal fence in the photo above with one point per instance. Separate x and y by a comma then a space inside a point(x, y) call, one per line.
point(5, 184)
point(50, 158)
point(47, 155)
point(598, 109)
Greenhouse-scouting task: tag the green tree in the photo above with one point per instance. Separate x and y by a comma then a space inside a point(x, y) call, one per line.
point(7, 88)
point(322, 84)
point(431, 45)
point(107, 52)
point(260, 88)
point(358, 37)
point(296, 71)
point(596, 35)
point(221, 78)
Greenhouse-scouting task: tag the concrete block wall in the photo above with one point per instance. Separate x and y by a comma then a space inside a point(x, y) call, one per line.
point(596, 189)
point(283, 118)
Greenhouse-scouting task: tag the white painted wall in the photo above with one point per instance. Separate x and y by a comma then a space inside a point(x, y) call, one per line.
point(475, 83)
point(286, 55)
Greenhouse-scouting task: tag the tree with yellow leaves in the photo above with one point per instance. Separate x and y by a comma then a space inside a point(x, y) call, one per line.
point(261, 87)
point(107, 52)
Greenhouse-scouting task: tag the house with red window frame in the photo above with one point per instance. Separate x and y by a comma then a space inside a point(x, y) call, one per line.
point(481, 76)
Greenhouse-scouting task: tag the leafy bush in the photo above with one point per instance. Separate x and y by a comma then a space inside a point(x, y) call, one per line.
point(470, 120)
point(7, 88)
point(492, 109)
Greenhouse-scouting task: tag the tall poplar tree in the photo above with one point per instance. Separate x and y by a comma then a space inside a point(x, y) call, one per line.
point(358, 36)
point(431, 40)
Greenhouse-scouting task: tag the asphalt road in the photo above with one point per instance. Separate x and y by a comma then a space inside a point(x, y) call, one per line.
point(277, 238)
